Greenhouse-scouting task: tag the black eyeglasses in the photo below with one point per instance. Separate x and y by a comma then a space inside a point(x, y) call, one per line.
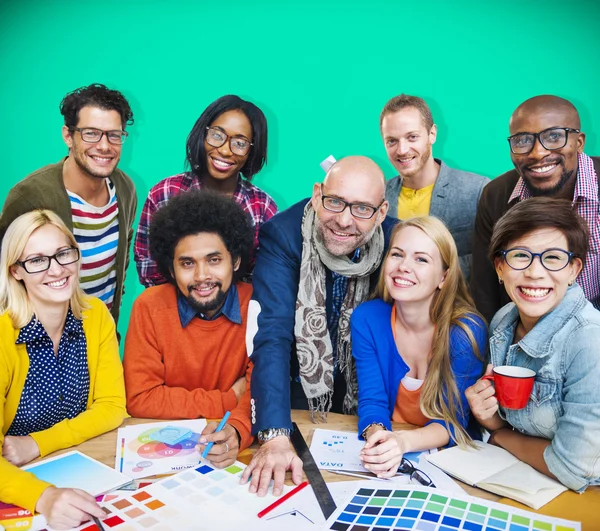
point(406, 467)
point(551, 139)
point(551, 259)
point(91, 135)
point(38, 264)
point(238, 145)
point(358, 210)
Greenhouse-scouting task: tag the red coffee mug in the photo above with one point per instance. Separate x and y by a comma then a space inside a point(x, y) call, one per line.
point(513, 385)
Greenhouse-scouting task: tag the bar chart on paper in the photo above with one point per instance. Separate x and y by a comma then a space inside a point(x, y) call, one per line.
point(340, 450)
point(422, 509)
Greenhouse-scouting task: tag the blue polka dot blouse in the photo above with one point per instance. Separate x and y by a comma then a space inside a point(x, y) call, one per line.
point(56, 387)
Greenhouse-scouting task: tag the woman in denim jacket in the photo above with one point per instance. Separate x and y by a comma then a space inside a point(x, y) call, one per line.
point(538, 248)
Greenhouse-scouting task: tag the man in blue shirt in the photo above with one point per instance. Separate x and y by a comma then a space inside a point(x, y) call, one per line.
point(317, 261)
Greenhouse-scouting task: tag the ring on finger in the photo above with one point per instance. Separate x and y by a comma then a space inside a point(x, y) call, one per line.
point(226, 448)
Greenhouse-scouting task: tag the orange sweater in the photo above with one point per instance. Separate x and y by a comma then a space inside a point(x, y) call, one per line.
point(186, 373)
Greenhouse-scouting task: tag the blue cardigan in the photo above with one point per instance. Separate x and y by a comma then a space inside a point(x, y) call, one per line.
point(380, 367)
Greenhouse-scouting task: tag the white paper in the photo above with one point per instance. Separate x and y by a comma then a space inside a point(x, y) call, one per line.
point(140, 453)
point(441, 480)
point(302, 511)
point(202, 497)
point(340, 450)
point(474, 465)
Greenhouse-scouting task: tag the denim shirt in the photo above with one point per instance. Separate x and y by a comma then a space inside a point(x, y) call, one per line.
point(563, 349)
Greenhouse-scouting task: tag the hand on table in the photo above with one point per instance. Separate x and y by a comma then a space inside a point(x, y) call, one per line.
point(67, 508)
point(271, 461)
point(383, 452)
point(20, 450)
point(226, 444)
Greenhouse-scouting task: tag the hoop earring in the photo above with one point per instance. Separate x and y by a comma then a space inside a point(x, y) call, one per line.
point(500, 281)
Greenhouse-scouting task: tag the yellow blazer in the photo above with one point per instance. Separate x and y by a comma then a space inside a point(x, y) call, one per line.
point(105, 407)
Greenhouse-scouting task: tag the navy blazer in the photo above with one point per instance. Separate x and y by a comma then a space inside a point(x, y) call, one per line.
point(275, 385)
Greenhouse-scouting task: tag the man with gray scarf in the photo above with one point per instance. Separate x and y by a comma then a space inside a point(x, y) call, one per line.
point(317, 261)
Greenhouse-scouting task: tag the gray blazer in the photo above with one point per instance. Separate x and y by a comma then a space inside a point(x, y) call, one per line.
point(454, 200)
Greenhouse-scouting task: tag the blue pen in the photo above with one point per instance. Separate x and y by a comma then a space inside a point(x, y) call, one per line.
point(219, 428)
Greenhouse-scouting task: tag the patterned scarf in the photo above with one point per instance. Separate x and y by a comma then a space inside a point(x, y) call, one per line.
point(313, 342)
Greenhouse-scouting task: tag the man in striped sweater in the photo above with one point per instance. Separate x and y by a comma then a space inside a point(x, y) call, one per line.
point(96, 200)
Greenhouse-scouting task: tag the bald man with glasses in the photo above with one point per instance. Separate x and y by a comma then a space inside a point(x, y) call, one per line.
point(95, 199)
point(317, 261)
point(546, 147)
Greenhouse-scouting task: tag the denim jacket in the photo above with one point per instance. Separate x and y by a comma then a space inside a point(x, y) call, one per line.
point(563, 348)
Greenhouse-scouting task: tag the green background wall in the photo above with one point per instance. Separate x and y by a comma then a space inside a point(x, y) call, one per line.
point(321, 72)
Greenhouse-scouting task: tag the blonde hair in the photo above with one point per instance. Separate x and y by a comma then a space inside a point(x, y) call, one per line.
point(451, 306)
point(13, 294)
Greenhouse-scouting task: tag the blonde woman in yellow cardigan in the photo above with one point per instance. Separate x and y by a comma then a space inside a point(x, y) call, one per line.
point(61, 379)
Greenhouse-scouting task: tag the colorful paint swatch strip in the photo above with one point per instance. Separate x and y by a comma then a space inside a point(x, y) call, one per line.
point(194, 499)
point(421, 509)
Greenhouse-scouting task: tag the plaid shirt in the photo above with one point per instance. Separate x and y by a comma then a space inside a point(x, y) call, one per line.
point(585, 200)
point(256, 203)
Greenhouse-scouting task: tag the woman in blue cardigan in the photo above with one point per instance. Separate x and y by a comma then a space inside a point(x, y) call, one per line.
point(417, 347)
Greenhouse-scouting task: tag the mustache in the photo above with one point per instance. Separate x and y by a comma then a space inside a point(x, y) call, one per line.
point(199, 285)
point(332, 225)
point(551, 159)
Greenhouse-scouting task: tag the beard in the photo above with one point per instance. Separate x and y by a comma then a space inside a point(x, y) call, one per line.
point(565, 177)
point(422, 159)
point(79, 154)
point(337, 248)
point(209, 306)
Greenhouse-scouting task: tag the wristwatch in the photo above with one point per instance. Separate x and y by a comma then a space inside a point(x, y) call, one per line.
point(365, 431)
point(270, 433)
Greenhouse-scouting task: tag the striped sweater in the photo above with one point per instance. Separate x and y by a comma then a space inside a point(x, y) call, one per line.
point(96, 230)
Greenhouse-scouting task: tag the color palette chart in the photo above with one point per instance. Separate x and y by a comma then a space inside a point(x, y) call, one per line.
point(203, 497)
point(158, 448)
point(422, 509)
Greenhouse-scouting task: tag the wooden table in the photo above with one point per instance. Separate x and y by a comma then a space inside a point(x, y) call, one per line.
point(579, 507)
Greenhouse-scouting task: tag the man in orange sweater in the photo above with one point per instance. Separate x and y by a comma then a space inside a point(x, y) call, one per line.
point(185, 351)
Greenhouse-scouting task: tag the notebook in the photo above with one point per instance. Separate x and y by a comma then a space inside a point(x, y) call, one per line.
point(494, 469)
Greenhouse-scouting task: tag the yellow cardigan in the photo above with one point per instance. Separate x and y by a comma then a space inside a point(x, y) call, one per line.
point(105, 408)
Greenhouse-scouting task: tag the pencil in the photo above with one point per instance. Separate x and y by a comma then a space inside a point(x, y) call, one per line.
point(286, 497)
point(98, 524)
point(219, 428)
point(122, 453)
point(368, 477)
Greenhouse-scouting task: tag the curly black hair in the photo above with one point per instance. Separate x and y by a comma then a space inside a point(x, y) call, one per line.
point(95, 95)
point(198, 211)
